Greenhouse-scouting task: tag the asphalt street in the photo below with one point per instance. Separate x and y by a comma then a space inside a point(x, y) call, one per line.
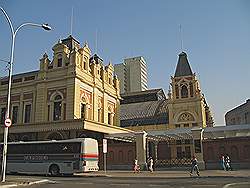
point(141, 182)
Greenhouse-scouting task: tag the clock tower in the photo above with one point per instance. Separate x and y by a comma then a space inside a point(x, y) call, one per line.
point(187, 105)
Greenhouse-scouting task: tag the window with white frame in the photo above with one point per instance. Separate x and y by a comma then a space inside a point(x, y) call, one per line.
point(57, 111)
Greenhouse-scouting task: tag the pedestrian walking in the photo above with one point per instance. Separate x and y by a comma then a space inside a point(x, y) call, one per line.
point(228, 163)
point(194, 166)
point(222, 161)
point(136, 166)
point(151, 164)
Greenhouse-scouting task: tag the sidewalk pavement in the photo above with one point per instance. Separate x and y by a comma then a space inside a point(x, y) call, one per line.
point(168, 174)
point(12, 181)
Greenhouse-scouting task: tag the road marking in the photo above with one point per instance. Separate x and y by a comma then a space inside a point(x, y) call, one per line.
point(7, 186)
point(119, 184)
point(41, 181)
point(153, 185)
point(232, 184)
point(87, 183)
point(204, 185)
point(28, 183)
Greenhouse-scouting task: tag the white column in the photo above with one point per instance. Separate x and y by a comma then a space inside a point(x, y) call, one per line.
point(141, 148)
point(198, 149)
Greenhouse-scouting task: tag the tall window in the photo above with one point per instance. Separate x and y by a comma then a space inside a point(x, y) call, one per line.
point(48, 112)
point(14, 114)
point(187, 152)
point(59, 61)
point(177, 91)
point(27, 113)
point(179, 152)
point(83, 108)
point(99, 115)
point(109, 118)
point(184, 92)
point(191, 89)
point(57, 108)
point(3, 112)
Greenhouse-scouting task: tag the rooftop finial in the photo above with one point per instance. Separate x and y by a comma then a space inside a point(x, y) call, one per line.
point(96, 41)
point(71, 20)
point(181, 38)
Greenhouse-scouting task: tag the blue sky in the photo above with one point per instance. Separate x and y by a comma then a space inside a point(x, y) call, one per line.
point(216, 37)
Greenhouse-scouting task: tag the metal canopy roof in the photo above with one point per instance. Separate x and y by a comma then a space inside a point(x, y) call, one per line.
point(186, 133)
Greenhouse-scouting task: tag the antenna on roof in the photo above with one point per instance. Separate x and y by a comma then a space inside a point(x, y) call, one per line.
point(71, 20)
point(96, 41)
point(181, 38)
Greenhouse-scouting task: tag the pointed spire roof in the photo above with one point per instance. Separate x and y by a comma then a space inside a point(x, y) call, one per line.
point(183, 68)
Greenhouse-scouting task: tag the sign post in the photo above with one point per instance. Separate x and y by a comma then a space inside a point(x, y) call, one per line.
point(7, 122)
point(105, 149)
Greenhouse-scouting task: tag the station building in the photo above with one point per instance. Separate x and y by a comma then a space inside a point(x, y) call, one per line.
point(72, 95)
point(75, 95)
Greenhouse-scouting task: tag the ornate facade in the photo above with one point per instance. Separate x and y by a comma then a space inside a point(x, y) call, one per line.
point(72, 95)
point(185, 106)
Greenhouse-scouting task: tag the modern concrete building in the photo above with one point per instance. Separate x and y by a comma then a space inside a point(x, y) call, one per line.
point(132, 74)
point(239, 115)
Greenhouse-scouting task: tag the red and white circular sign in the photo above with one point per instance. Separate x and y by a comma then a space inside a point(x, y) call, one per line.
point(8, 122)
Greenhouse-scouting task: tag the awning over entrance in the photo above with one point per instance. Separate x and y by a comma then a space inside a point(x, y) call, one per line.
point(226, 131)
point(186, 133)
point(171, 134)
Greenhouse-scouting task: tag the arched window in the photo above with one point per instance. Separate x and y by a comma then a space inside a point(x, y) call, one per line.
point(234, 153)
point(210, 152)
point(57, 108)
point(59, 60)
point(120, 156)
point(111, 156)
point(55, 136)
point(222, 150)
point(184, 92)
point(130, 156)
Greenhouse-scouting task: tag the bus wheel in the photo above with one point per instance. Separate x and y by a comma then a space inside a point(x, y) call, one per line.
point(54, 170)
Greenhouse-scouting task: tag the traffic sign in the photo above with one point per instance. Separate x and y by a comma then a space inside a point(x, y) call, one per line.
point(7, 122)
point(104, 141)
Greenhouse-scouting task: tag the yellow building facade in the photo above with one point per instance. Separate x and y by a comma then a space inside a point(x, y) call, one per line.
point(72, 95)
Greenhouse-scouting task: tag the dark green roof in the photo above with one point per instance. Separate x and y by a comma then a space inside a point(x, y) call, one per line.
point(183, 68)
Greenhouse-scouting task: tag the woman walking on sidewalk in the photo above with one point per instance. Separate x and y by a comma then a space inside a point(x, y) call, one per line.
point(136, 166)
point(151, 163)
point(194, 166)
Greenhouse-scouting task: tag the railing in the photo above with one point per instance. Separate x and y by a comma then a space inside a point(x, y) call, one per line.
point(183, 162)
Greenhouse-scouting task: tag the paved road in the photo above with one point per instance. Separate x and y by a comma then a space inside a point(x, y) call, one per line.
point(142, 182)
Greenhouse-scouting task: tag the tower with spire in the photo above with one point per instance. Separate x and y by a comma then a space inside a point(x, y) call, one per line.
point(187, 105)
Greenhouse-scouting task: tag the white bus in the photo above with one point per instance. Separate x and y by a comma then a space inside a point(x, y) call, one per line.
point(53, 157)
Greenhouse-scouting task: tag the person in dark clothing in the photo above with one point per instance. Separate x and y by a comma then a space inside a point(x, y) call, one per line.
point(228, 162)
point(194, 166)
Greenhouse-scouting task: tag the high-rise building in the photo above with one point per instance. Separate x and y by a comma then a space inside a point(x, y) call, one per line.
point(132, 74)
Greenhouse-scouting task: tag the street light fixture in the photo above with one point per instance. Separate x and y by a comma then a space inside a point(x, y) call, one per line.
point(13, 34)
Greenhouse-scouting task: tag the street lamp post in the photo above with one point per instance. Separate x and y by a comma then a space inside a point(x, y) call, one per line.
point(13, 34)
